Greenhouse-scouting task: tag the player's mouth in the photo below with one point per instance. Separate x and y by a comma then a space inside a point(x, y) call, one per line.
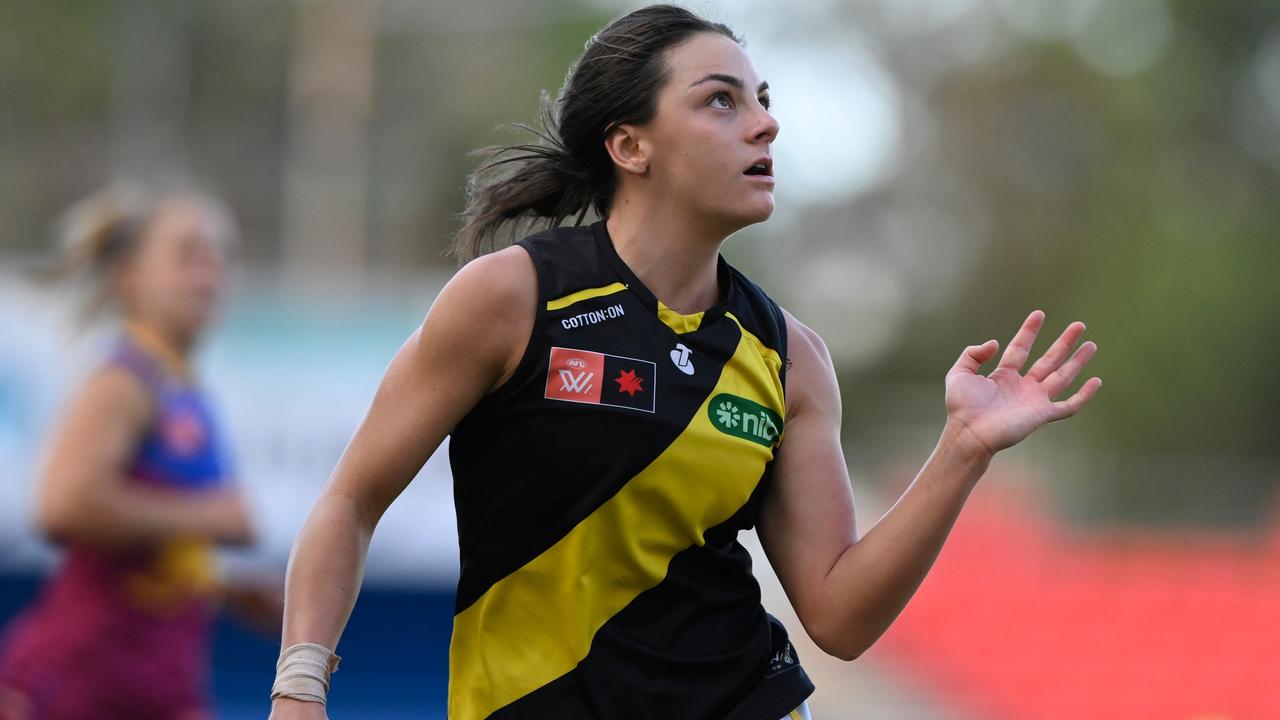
point(762, 167)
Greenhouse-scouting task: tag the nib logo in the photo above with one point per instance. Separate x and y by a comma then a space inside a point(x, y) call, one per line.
point(746, 419)
point(585, 376)
point(728, 413)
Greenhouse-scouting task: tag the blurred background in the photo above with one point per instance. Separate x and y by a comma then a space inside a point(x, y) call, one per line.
point(944, 166)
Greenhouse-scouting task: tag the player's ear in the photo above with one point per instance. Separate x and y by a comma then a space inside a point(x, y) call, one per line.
point(628, 149)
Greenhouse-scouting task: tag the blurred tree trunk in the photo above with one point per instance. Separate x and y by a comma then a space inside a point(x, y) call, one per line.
point(326, 157)
point(150, 88)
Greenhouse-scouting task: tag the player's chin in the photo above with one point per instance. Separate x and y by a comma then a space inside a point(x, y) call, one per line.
point(759, 209)
point(746, 211)
point(197, 317)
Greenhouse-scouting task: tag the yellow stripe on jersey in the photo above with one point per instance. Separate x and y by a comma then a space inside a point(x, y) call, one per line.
point(537, 623)
point(571, 298)
point(681, 324)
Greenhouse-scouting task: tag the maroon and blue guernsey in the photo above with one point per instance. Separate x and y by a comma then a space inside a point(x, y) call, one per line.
point(124, 633)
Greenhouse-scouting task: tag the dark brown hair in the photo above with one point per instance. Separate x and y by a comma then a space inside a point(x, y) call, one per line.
point(567, 170)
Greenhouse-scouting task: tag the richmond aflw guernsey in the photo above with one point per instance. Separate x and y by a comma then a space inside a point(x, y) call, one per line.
point(600, 492)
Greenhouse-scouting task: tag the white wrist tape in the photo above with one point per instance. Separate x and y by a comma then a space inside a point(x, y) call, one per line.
point(302, 673)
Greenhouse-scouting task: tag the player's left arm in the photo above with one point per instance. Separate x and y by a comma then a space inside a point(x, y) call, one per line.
point(847, 589)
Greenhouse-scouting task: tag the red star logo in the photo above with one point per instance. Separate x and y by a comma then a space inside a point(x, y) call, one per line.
point(629, 382)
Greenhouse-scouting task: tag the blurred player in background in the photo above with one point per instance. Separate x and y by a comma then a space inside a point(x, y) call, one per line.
point(614, 396)
point(137, 486)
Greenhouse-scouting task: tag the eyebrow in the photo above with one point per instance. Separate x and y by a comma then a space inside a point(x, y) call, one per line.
point(728, 79)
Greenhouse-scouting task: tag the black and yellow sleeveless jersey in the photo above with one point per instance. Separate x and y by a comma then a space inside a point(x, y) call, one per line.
point(600, 492)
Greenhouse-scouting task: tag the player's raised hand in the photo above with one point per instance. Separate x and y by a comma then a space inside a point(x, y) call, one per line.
point(1002, 408)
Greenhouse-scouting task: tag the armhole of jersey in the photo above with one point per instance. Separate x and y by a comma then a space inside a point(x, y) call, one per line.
point(531, 344)
point(781, 321)
point(145, 374)
point(140, 367)
point(757, 299)
point(147, 428)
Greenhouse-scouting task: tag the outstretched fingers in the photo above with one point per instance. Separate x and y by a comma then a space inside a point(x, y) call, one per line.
point(1066, 408)
point(1059, 380)
point(1015, 356)
point(1057, 352)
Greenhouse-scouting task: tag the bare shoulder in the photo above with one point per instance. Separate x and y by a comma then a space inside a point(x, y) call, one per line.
point(102, 423)
point(804, 345)
point(115, 391)
point(487, 310)
point(503, 279)
point(810, 371)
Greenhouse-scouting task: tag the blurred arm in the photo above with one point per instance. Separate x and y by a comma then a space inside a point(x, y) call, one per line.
point(845, 590)
point(259, 604)
point(84, 495)
point(469, 344)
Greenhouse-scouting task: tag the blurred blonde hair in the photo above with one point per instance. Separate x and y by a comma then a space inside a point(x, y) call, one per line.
point(98, 233)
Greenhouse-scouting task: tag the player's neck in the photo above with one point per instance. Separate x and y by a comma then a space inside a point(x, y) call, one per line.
point(171, 348)
point(674, 256)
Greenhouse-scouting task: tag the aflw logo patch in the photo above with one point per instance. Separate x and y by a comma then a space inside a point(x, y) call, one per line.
point(600, 379)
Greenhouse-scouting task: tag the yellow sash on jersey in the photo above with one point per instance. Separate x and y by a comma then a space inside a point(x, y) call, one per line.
point(537, 623)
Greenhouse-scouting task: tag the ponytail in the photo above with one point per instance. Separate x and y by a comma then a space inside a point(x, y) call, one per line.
point(98, 231)
point(517, 185)
point(567, 171)
point(95, 235)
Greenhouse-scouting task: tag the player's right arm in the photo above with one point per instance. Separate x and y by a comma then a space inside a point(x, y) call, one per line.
point(469, 344)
